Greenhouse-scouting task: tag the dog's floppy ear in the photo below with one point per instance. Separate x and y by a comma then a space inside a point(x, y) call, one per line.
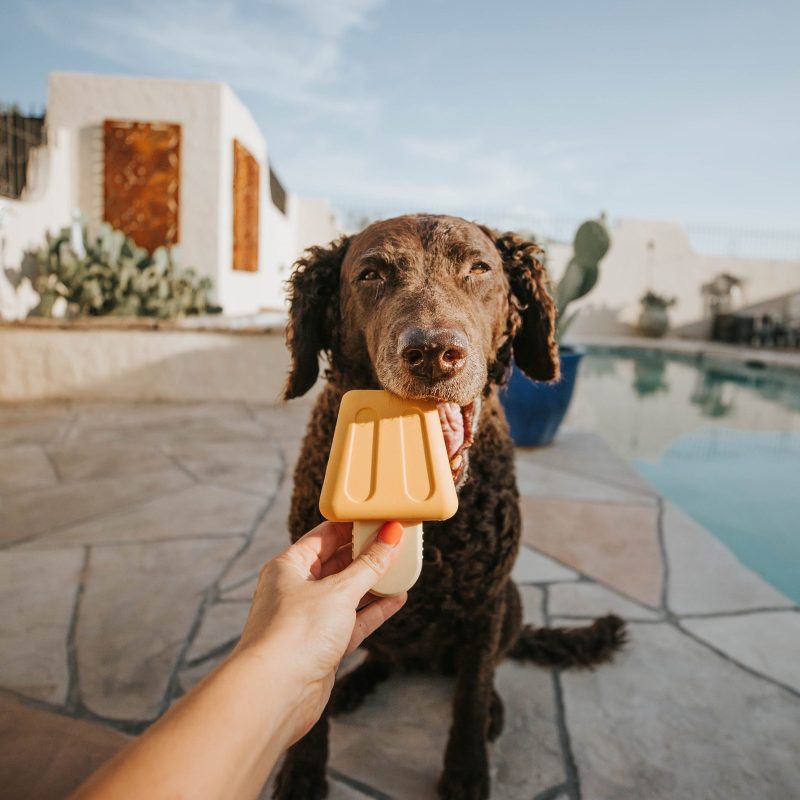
point(313, 313)
point(532, 312)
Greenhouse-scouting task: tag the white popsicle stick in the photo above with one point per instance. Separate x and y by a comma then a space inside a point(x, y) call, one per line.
point(408, 564)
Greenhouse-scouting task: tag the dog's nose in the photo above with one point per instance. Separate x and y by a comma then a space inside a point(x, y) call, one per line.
point(433, 353)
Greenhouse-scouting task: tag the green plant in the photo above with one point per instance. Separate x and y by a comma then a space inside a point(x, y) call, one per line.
point(654, 300)
point(116, 277)
point(591, 244)
point(720, 293)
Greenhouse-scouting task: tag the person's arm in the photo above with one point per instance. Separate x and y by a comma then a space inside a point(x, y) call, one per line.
point(222, 739)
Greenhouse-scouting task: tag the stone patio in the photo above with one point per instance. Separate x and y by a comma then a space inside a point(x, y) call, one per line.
point(130, 540)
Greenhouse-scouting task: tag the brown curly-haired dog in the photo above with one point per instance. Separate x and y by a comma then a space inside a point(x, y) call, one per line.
point(434, 306)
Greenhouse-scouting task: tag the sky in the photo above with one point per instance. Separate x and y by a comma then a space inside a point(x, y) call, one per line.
point(684, 111)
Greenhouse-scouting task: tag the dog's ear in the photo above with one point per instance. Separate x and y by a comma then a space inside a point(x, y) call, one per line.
point(313, 313)
point(532, 312)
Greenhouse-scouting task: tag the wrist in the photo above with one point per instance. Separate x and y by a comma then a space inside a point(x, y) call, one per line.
point(276, 683)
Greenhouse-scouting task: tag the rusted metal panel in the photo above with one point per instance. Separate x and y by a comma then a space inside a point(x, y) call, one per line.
point(245, 208)
point(141, 180)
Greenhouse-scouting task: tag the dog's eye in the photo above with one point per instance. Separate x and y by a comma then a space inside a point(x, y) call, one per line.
point(370, 275)
point(479, 268)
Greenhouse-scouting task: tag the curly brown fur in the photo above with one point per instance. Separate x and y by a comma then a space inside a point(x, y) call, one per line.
point(531, 323)
point(464, 615)
point(302, 776)
point(496, 717)
point(585, 646)
point(314, 313)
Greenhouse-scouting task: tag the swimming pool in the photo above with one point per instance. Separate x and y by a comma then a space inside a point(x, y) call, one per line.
point(719, 439)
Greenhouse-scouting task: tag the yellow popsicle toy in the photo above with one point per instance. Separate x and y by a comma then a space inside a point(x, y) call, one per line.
point(388, 461)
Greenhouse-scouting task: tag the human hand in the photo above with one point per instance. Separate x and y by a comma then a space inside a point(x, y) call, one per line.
point(311, 608)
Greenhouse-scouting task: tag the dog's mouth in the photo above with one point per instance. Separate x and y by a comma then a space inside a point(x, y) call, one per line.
point(458, 426)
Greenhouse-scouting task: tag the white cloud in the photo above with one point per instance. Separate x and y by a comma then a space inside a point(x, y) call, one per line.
point(333, 140)
point(438, 148)
point(505, 185)
point(288, 50)
point(333, 17)
point(479, 183)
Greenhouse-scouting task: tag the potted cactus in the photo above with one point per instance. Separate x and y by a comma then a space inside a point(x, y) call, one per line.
point(536, 410)
point(654, 319)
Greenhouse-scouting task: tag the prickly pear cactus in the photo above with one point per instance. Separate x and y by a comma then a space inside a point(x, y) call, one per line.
point(116, 277)
point(591, 244)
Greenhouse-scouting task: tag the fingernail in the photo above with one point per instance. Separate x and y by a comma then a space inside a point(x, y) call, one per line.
point(390, 533)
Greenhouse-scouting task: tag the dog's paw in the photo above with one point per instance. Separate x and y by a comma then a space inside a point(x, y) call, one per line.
point(349, 692)
point(496, 718)
point(471, 784)
point(299, 782)
point(347, 696)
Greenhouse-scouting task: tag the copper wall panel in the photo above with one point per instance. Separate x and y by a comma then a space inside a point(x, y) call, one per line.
point(141, 181)
point(245, 209)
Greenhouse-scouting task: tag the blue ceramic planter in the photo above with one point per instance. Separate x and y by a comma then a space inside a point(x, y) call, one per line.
point(535, 410)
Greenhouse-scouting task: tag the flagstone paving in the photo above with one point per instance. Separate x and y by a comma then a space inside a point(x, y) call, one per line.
point(673, 720)
point(586, 600)
point(142, 630)
point(706, 577)
point(37, 598)
point(533, 567)
point(131, 536)
point(610, 542)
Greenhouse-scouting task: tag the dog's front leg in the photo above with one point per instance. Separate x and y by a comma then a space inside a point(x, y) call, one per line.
point(466, 760)
point(302, 776)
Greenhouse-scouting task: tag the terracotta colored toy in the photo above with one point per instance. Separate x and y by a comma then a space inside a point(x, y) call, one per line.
point(388, 461)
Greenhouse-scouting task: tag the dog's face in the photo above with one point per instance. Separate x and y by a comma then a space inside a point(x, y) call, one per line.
point(424, 307)
point(427, 304)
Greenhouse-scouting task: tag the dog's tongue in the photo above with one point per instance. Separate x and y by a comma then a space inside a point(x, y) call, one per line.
point(452, 423)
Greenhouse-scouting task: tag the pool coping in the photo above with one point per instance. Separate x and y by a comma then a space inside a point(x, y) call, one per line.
point(696, 348)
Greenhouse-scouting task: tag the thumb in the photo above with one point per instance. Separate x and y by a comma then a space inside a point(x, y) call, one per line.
point(374, 562)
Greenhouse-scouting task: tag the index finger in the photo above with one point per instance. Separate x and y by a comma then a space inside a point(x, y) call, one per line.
point(320, 543)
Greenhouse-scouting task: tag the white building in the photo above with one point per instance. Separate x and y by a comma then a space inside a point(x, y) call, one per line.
point(169, 162)
point(658, 256)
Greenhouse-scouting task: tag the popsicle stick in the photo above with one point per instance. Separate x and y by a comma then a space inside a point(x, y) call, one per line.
point(407, 566)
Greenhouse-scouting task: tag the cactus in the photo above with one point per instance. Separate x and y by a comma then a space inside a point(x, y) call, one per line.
point(117, 277)
point(591, 244)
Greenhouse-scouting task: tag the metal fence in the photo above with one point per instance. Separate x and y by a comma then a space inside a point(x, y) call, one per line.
point(740, 242)
point(729, 241)
point(19, 134)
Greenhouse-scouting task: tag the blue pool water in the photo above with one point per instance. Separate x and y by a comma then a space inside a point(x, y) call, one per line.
point(720, 440)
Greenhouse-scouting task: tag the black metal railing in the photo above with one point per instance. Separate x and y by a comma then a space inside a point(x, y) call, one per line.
point(19, 134)
point(728, 241)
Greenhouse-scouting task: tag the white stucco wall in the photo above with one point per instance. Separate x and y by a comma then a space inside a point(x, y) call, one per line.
point(315, 223)
point(69, 174)
point(245, 292)
point(47, 206)
point(308, 221)
point(239, 292)
point(670, 267)
point(80, 103)
point(281, 250)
